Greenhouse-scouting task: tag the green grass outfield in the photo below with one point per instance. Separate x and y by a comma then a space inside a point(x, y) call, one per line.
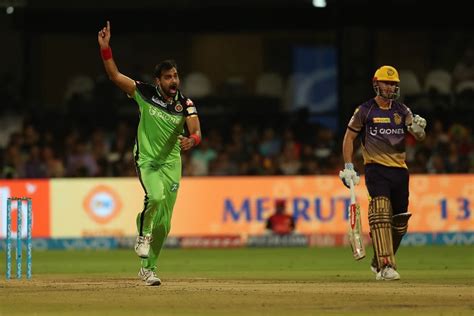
point(263, 281)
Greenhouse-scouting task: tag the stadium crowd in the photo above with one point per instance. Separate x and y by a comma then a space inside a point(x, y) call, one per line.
point(56, 145)
point(93, 136)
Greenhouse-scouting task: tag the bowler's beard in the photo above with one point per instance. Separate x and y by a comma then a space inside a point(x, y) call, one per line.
point(167, 91)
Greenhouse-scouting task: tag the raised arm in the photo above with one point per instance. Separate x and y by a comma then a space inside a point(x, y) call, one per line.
point(125, 83)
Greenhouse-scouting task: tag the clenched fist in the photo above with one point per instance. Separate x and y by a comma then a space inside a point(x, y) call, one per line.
point(349, 174)
point(417, 127)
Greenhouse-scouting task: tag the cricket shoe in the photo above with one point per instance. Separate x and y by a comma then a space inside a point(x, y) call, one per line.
point(142, 246)
point(373, 266)
point(373, 269)
point(387, 274)
point(149, 276)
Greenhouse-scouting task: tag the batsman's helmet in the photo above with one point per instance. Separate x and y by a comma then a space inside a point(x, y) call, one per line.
point(387, 74)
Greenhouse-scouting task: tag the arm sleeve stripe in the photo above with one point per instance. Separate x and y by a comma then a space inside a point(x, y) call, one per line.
point(348, 127)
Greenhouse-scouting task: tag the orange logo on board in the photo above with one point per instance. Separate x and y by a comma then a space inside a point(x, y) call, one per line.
point(102, 204)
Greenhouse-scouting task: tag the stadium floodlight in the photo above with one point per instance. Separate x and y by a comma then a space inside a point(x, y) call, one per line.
point(319, 3)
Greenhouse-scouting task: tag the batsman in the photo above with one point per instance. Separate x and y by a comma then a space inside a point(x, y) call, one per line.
point(383, 123)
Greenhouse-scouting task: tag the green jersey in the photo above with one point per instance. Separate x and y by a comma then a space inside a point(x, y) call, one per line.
point(160, 124)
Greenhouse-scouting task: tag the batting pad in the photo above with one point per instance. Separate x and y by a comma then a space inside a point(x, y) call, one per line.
point(399, 228)
point(380, 222)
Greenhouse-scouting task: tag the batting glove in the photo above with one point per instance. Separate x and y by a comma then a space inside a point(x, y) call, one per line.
point(417, 127)
point(349, 173)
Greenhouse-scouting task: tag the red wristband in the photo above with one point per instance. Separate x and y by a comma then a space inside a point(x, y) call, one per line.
point(196, 138)
point(106, 53)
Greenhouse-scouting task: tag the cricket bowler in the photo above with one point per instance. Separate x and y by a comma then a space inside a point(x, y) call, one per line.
point(164, 112)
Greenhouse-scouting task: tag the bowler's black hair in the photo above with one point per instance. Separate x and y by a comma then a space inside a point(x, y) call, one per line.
point(165, 65)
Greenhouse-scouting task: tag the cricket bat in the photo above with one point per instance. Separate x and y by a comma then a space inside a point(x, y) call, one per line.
point(355, 226)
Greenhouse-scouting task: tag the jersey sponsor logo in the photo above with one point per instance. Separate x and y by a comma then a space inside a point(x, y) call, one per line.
point(191, 110)
point(159, 102)
point(163, 116)
point(381, 120)
point(174, 187)
point(374, 131)
point(178, 107)
point(397, 118)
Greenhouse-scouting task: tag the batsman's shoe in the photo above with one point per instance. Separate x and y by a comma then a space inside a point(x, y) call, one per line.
point(373, 266)
point(373, 269)
point(142, 246)
point(387, 274)
point(149, 276)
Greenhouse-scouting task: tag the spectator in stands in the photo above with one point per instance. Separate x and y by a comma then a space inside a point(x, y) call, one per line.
point(270, 144)
point(252, 167)
point(289, 162)
point(201, 158)
point(34, 165)
point(223, 165)
point(13, 164)
point(280, 223)
point(324, 145)
point(309, 167)
point(100, 150)
point(120, 157)
point(54, 165)
point(420, 162)
point(81, 162)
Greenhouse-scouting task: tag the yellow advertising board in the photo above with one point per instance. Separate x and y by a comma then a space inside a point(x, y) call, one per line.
point(95, 207)
point(240, 205)
point(229, 205)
